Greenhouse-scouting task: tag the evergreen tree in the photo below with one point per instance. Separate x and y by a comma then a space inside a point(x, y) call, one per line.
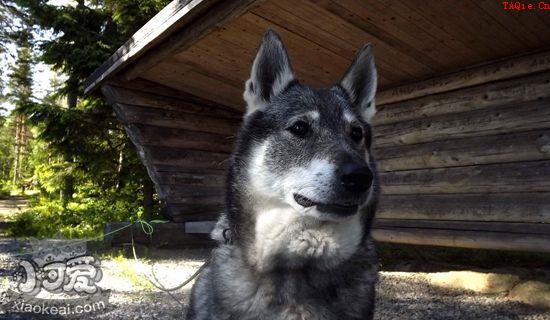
point(92, 154)
point(20, 87)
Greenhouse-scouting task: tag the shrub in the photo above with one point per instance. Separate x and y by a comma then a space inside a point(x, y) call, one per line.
point(84, 216)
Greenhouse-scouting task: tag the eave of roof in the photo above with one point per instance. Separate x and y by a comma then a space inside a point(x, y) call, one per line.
point(164, 23)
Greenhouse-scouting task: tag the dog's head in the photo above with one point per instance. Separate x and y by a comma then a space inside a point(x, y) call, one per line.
point(312, 145)
point(305, 150)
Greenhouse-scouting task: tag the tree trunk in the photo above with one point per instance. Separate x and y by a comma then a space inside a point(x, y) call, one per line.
point(147, 199)
point(68, 182)
point(20, 142)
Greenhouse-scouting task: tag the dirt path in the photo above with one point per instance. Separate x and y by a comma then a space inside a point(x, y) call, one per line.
point(11, 206)
point(400, 295)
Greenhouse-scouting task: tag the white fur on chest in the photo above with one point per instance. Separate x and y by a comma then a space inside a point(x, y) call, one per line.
point(284, 233)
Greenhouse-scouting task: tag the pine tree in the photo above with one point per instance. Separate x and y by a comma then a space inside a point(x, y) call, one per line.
point(20, 87)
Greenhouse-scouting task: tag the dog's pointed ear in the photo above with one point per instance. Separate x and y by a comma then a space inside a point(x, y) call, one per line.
point(271, 73)
point(359, 82)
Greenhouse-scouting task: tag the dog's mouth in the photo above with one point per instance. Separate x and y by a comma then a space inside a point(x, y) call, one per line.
point(329, 208)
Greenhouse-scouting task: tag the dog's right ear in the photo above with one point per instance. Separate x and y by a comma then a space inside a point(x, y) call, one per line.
point(271, 73)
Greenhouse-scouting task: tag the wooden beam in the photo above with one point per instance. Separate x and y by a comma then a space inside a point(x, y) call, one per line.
point(164, 100)
point(183, 139)
point(129, 114)
point(193, 178)
point(174, 16)
point(508, 147)
point(199, 226)
point(464, 239)
point(201, 216)
point(190, 159)
point(518, 90)
point(489, 207)
point(506, 227)
point(504, 119)
point(165, 235)
point(499, 70)
point(526, 177)
point(216, 16)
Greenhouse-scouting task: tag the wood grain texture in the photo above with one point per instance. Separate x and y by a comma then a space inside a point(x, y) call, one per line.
point(183, 139)
point(503, 227)
point(500, 70)
point(174, 16)
point(196, 178)
point(191, 159)
point(163, 98)
point(500, 148)
point(216, 16)
point(488, 207)
point(464, 239)
point(525, 177)
point(519, 90)
point(503, 119)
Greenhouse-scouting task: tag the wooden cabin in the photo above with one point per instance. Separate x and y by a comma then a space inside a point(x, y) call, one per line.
point(462, 135)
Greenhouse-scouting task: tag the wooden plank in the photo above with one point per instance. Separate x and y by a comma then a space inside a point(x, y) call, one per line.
point(518, 90)
point(190, 159)
point(199, 178)
point(165, 235)
point(129, 114)
point(329, 31)
point(199, 82)
point(397, 32)
point(174, 16)
point(504, 119)
point(530, 27)
point(503, 207)
point(200, 226)
point(528, 177)
point(519, 32)
point(175, 192)
point(513, 147)
point(386, 44)
point(213, 215)
point(198, 204)
point(506, 227)
point(499, 70)
point(464, 239)
point(451, 25)
point(181, 102)
point(457, 46)
point(184, 139)
point(217, 16)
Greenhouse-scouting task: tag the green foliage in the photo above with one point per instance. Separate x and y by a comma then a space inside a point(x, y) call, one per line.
point(5, 188)
point(84, 216)
point(79, 158)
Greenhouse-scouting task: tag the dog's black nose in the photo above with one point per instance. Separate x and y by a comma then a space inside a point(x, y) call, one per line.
point(356, 178)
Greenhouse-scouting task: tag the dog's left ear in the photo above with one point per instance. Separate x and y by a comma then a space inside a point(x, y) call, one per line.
point(271, 73)
point(359, 82)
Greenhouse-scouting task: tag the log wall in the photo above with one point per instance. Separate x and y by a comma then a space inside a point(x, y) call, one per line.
point(184, 142)
point(462, 163)
point(468, 163)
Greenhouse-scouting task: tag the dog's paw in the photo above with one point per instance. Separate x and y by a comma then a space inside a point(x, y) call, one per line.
point(310, 244)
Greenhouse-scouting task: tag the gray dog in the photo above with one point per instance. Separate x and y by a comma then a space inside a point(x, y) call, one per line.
point(301, 197)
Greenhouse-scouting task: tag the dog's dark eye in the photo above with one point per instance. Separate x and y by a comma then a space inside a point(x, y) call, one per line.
point(299, 128)
point(356, 134)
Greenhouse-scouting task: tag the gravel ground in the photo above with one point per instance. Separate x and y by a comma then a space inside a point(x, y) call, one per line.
point(401, 295)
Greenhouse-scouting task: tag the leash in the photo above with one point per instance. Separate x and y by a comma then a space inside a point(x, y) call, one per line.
point(157, 284)
point(148, 229)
